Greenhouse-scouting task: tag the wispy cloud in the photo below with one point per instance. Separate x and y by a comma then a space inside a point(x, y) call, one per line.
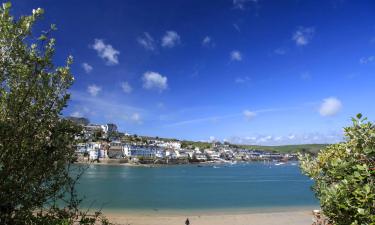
point(241, 4)
point(330, 106)
point(93, 90)
point(136, 118)
point(242, 80)
point(107, 108)
point(367, 60)
point(236, 55)
point(249, 115)
point(154, 80)
point(76, 114)
point(245, 113)
point(146, 41)
point(303, 35)
point(236, 27)
point(125, 86)
point(170, 39)
point(280, 51)
point(106, 52)
point(87, 67)
point(208, 42)
point(204, 119)
point(289, 139)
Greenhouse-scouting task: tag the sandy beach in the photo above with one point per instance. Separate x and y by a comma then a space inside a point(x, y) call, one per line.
point(298, 217)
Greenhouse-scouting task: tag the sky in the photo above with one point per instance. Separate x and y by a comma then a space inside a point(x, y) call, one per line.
point(245, 71)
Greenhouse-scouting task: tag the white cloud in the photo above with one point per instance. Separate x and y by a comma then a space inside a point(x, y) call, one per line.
point(147, 41)
point(93, 90)
point(136, 118)
point(106, 52)
point(249, 114)
point(154, 80)
point(367, 60)
point(170, 39)
point(241, 80)
point(76, 114)
point(278, 138)
point(235, 55)
point(303, 35)
point(126, 87)
point(291, 139)
point(241, 4)
point(212, 138)
point(87, 67)
point(292, 136)
point(207, 42)
point(280, 51)
point(330, 106)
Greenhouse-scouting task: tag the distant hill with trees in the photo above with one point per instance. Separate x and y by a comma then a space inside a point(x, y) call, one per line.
point(305, 148)
point(79, 120)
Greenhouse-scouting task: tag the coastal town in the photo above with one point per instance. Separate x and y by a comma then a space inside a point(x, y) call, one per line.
point(104, 143)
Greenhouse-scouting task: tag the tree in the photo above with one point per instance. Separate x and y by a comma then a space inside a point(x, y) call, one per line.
point(344, 175)
point(113, 135)
point(79, 120)
point(36, 144)
point(98, 135)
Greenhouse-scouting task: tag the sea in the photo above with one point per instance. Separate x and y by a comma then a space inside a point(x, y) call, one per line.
point(253, 186)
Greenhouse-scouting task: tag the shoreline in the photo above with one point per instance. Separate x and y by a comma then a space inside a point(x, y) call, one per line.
point(213, 211)
point(292, 216)
point(115, 162)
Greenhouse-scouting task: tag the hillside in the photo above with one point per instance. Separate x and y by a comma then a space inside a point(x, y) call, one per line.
point(312, 148)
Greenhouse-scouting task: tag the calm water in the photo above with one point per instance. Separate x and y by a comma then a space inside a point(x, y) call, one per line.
point(249, 186)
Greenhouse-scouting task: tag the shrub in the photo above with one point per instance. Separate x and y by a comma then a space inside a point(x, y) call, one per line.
point(344, 175)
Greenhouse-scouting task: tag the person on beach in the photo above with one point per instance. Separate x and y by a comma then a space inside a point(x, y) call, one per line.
point(187, 222)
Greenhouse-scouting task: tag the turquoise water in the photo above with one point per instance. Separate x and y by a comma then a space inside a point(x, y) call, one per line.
point(189, 187)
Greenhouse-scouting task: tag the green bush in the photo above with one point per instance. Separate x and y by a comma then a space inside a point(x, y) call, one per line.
point(37, 185)
point(344, 175)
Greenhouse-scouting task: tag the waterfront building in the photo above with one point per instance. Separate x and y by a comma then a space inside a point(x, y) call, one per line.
point(190, 153)
point(90, 130)
point(214, 156)
point(116, 150)
point(109, 127)
point(169, 144)
point(81, 148)
point(201, 157)
point(93, 149)
point(144, 151)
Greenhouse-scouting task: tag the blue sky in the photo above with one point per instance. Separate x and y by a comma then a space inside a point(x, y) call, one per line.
point(247, 71)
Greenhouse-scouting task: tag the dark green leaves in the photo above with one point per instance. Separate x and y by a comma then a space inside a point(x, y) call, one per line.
point(344, 176)
point(36, 145)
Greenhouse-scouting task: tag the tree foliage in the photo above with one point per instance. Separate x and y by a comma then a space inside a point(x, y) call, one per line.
point(36, 144)
point(344, 175)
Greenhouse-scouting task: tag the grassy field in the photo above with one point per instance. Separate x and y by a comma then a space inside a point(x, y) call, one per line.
point(312, 148)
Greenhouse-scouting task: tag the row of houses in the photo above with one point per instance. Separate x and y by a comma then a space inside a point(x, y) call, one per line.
point(160, 150)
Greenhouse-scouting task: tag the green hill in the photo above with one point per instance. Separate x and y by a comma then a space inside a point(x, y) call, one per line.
point(312, 148)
